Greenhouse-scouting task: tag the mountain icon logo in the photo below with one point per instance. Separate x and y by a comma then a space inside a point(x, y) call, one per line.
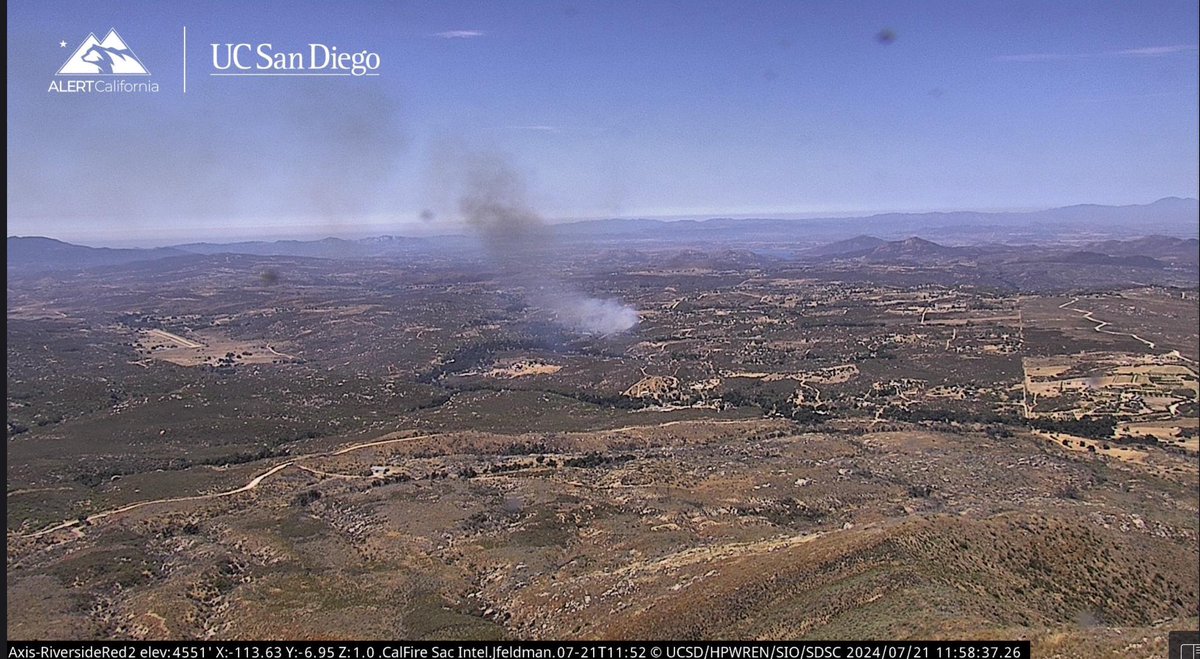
point(107, 57)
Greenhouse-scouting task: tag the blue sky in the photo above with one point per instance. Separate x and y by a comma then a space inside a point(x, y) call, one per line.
point(608, 108)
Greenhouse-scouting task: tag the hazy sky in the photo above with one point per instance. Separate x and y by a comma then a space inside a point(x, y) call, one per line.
point(608, 108)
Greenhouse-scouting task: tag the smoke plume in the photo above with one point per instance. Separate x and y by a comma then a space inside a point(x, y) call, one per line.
point(494, 204)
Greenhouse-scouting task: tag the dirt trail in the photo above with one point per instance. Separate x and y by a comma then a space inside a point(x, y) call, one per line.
point(133, 506)
point(675, 423)
point(1176, 355)
point(281, 354)
point(735, 550)
point(719, 552)
point(254, 482)
point(1100, 324)
point(33, 490)
point(250, 485)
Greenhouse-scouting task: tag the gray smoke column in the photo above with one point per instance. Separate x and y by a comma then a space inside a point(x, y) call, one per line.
point(494, 205)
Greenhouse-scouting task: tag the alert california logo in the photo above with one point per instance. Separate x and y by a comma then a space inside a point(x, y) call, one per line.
point(99, 66)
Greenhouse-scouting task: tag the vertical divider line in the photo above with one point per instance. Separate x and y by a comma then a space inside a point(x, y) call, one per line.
point(185, 59)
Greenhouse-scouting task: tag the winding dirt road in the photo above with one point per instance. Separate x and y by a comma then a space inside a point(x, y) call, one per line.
point(291, 462)
point(250, 485)
point(1101, 323)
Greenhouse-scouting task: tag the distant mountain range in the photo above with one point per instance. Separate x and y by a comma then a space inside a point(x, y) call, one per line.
point(856, 246)
point(1091, 234)
point(324, 248)
point(1145, 252)
point(1186, 251)
point(1171, 216)
point(877, 249)
point(39, 253)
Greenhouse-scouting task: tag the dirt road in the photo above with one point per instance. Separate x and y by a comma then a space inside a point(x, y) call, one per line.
point(250, 485)
point(1100, 324)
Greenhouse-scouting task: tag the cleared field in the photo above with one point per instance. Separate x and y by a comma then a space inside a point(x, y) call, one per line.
point(522, 368)
point(166, 339)
point(1128, 386)
point(1180, 431)
point(205, 349)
